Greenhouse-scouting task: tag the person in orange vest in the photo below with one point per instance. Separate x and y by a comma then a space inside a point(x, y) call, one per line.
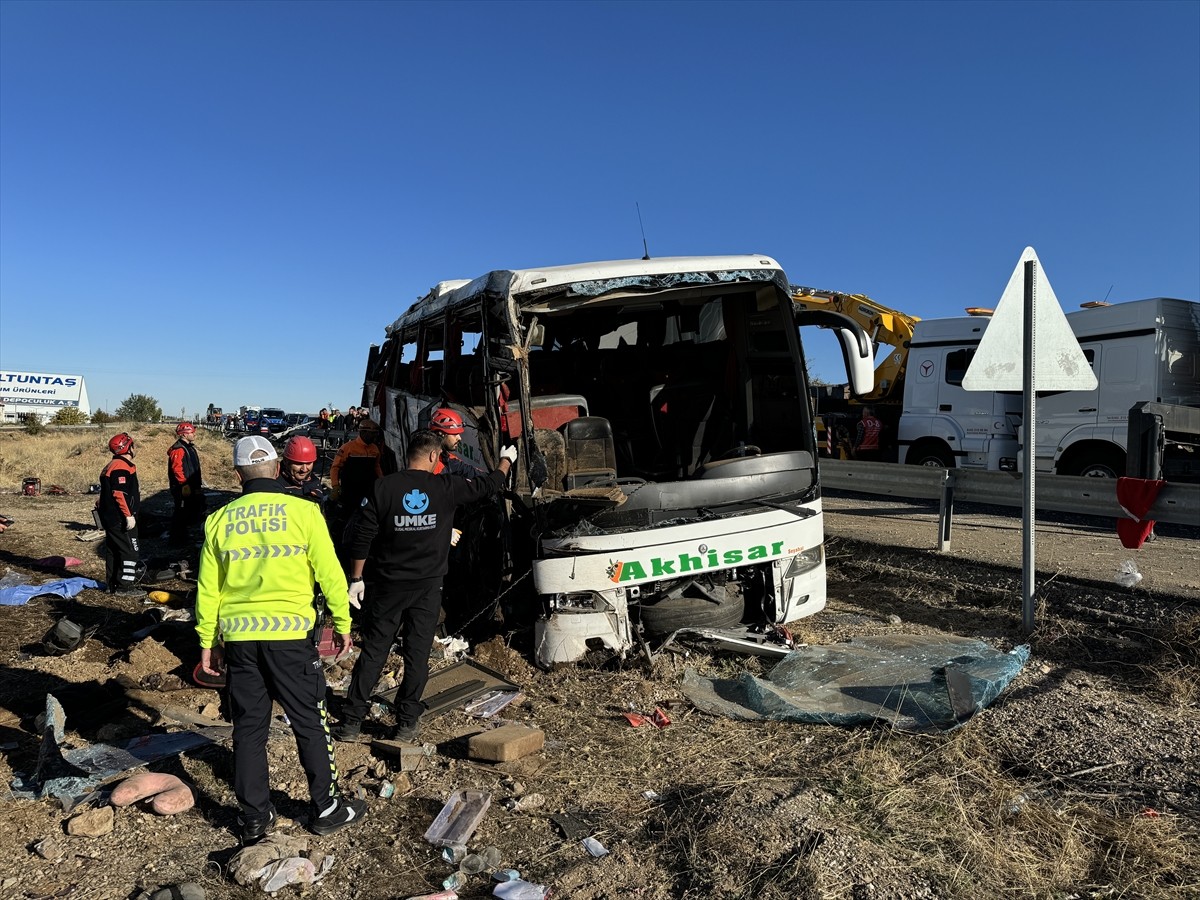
point(866, 441)
point(183, 477)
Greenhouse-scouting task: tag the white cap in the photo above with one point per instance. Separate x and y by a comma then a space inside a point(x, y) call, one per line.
point(252, 450)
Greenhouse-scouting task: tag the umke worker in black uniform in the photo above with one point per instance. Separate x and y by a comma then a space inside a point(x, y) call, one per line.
point(405, 526)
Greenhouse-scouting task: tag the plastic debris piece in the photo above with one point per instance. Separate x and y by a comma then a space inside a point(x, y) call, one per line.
point(660, 718)
point(459, 818)
point(506, 875)
point(635, 719)
point(440, 895)
point(455, 881)
point(650, 795)
point(454, 853)
point(529, 801)
point(1149, 813)
point(491, 703)
point(1128, 575)
point(293, 870)
point(386, 790)
point(594, 847)
point(472, 864)
point(451, 647)
point(491, 856)
point(519, 889)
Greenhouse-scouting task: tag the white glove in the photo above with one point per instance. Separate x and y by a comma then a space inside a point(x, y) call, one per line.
point(509, 453)
point(356, 594)
point(130, 523)
point(455, 535)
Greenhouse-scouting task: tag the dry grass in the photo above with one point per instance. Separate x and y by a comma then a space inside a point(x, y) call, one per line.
point(73, 458)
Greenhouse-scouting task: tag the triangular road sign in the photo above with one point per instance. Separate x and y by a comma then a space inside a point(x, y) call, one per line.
point(1059, 362)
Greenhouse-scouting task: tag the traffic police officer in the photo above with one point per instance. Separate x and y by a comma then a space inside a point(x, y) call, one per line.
point(263, 554)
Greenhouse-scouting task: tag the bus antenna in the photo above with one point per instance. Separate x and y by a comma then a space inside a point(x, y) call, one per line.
point(1110, 287)
point(643, 227)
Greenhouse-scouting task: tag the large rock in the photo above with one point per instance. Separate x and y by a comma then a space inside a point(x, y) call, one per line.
point(95, 822)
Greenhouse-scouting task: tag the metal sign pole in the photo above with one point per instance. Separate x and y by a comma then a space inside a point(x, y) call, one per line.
point(1029, 414)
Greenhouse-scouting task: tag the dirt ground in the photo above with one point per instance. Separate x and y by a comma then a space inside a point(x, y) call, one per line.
point(1082, 780)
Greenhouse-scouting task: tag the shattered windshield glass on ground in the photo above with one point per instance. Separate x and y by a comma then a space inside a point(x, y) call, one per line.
point(911, 682)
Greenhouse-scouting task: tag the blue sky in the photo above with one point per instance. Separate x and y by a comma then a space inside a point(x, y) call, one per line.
point(227, 202)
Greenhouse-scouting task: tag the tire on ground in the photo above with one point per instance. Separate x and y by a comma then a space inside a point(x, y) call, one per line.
point(672, 613)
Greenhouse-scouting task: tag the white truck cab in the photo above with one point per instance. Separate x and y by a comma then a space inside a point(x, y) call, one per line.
point(943, 424)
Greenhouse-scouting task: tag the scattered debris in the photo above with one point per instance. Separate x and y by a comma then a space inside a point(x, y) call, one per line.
point(508, 742)
point(658, 718)
point(454, 881)
point(95, 821)
point(459, 818)
point(1128, 575)
point(20, 594)
point(187, 890)
point(65, 637)
point(167, 794)
point(70, 774)
point(912, 682)
point(453, 686)
point(249, 864)
point(519, 889)
point(523, 804)
point(57, 562)
point(576, 824)
point(594, 847)
point(48, 848)
point(491, 703)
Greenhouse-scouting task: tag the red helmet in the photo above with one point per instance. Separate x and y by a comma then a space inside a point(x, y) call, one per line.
point(185, 428)
point(300, 449)
point(120, 444)
point(447, 421)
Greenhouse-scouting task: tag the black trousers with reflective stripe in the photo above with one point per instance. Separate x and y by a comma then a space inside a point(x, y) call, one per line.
point(394, 611)
point(120, 569)
point(289, 672)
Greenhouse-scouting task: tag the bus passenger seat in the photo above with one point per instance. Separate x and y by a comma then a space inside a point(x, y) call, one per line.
point(591, 457)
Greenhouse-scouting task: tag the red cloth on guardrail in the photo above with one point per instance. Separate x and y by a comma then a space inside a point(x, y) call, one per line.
point(1136, 496)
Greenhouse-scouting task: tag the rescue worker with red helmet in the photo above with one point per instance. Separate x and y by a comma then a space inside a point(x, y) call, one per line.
point(185, 482)
point(449, 425)
point(296, 470)
point(117, 507)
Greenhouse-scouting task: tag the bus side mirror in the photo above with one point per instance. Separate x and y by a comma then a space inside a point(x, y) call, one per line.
point(857, 351)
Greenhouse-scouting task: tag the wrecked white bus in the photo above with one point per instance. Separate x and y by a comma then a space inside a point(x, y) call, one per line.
point(667, 474)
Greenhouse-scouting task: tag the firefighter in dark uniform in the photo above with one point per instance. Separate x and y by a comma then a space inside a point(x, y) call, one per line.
point(183, 477)
point(405, 525)
point(117, 507)
point(263, 555)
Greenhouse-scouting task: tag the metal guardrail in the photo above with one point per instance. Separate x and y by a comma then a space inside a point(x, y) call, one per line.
point(1178, 504)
